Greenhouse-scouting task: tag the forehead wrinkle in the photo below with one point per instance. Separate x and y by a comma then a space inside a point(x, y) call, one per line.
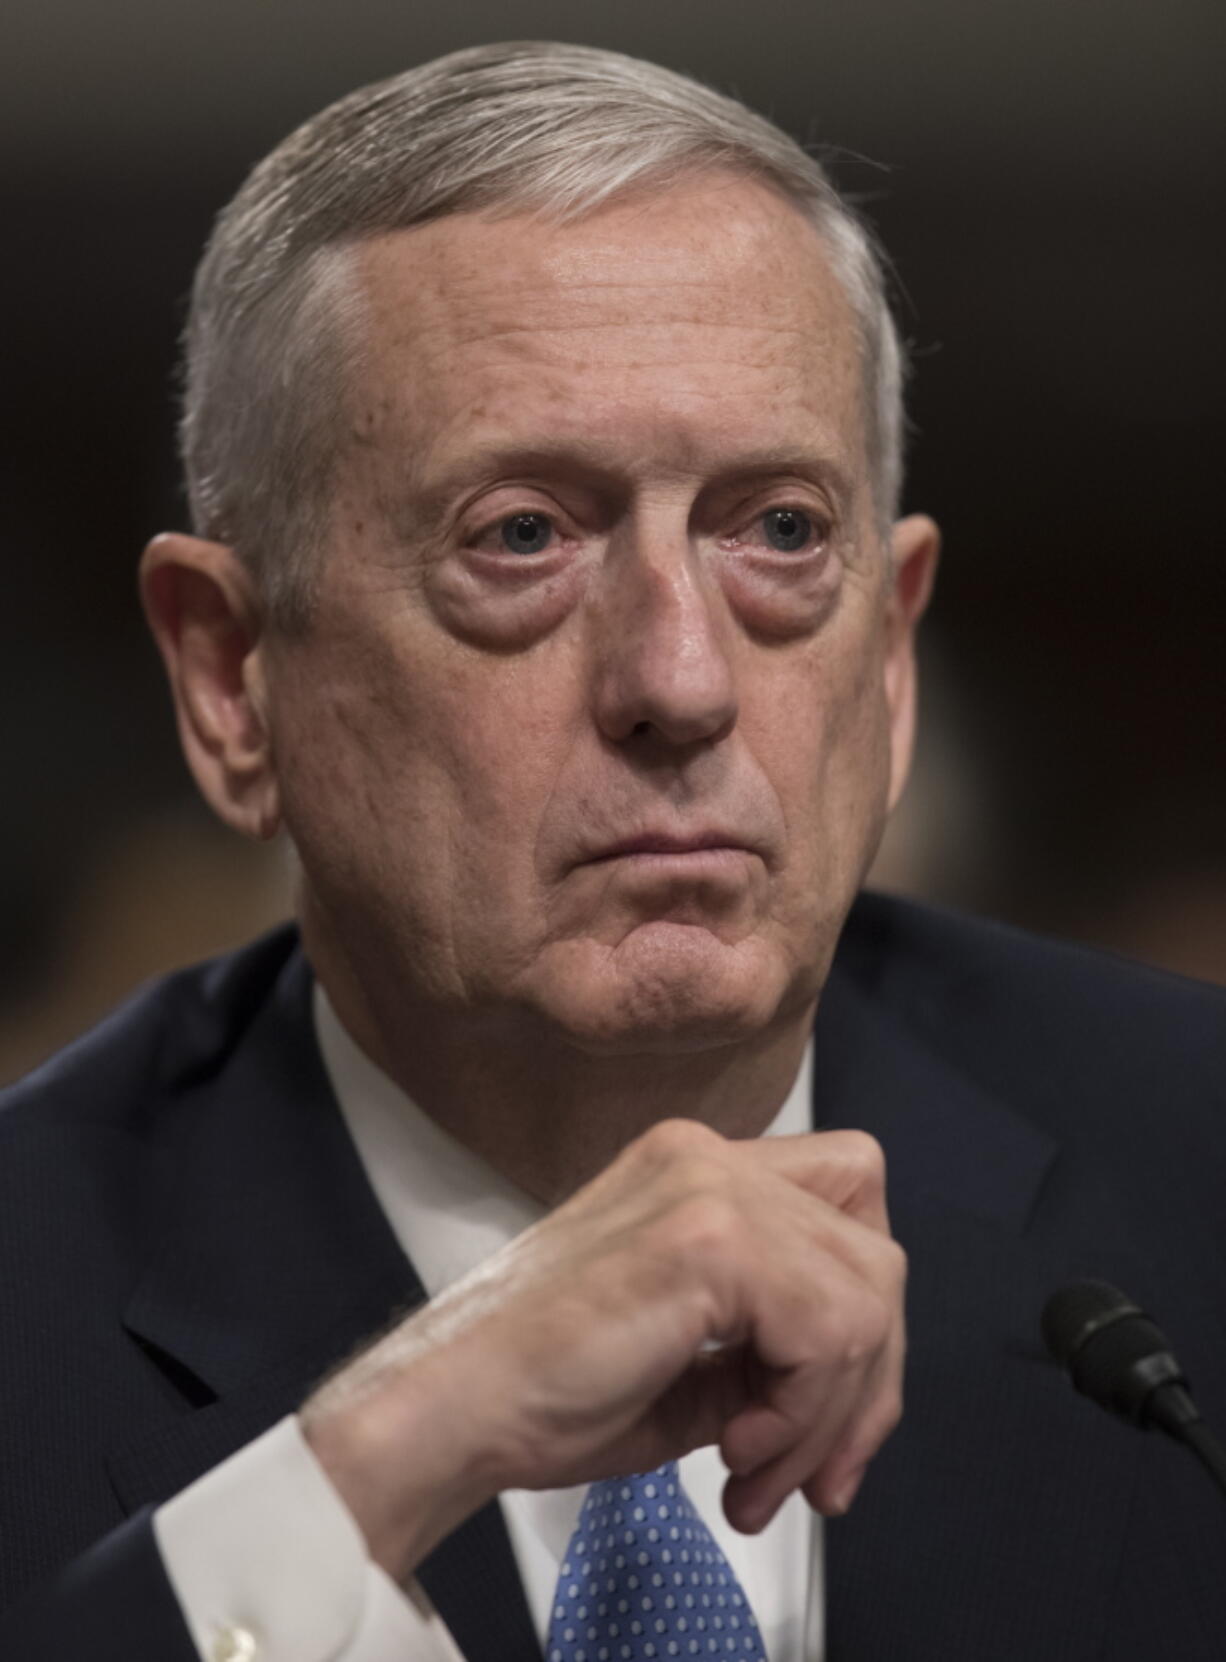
point(790, 402)
point(787, 286)
point(676, 300)
point(630, 344)
point(434, 450)
point(570, 357)
point(448, 337)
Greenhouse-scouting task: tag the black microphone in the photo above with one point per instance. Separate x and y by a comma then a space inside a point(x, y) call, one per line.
point(1120, 1359)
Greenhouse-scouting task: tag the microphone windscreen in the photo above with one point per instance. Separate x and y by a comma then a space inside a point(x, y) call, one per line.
point(1113, 1353)
point(1071, 1315)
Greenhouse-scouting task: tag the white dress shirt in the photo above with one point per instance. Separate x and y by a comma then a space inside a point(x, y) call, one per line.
point(266, 1561)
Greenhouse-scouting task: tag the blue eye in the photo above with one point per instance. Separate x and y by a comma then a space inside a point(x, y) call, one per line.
point(526, 533)
point(787, 529)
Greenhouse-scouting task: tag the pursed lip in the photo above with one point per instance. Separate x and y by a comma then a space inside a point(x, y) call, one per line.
point(668, 842)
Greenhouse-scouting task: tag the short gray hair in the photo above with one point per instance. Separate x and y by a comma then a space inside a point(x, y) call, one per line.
point(522, 126)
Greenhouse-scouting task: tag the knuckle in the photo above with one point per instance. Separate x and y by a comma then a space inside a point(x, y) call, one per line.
point(706, 1222)
point(867, 1155)
point(862, 1329)
point(677, 1139)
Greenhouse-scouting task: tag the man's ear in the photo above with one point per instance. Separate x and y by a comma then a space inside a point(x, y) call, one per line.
point(204, 612)
point(914, 546)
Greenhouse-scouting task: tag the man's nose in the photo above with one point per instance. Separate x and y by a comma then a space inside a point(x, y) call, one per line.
point(663, 664)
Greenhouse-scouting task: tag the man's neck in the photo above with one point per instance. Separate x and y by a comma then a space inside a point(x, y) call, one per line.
point(546, 1114)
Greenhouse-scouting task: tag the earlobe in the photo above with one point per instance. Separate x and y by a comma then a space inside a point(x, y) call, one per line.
point(203, 609)
point(915, 546)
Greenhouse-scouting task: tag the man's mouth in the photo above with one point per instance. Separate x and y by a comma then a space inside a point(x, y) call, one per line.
point(667, 844)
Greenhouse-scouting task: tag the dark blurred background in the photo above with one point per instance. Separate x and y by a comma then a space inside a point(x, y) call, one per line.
point(1050, 179)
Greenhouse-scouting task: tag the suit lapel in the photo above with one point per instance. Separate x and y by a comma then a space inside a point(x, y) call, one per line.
point(277, 1263)
point(993, 1521)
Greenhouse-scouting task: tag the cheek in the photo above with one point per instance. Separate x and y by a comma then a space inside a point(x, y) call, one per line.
point(496, 742)
point(825, 731)
point(421, 765)
point(348, 789)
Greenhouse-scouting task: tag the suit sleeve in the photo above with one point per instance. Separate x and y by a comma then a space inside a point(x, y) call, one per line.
point(112, 1604)
point(257, 1561)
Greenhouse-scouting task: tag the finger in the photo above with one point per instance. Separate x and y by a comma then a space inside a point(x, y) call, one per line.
point(833, 1487)
point(836, 1300)
point(834, 1500)
point(698, 1405)
point(830, 1479)
point(844, 1168)
point(759, 1434)
point(751, 1501)
point(815, 1427)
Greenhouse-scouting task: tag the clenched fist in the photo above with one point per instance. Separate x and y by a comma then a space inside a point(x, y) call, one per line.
point(698, 1291)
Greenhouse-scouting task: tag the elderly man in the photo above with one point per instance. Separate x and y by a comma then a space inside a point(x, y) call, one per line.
point(542, 429)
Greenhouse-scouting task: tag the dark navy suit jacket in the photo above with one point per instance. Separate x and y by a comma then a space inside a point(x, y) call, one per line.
point(189, 1242)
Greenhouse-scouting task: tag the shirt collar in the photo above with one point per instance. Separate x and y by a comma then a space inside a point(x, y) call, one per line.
point(448, 1208)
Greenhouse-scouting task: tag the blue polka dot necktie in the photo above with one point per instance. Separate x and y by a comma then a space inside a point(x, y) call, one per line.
point(644, 1581)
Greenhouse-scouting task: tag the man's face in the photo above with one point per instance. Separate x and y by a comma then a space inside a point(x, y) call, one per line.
point(593, 726)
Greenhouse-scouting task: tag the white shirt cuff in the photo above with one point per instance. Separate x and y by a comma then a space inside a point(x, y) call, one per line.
point(268, 1566)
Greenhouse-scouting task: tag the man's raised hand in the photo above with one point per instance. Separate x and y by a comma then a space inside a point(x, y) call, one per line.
point(699, 1290)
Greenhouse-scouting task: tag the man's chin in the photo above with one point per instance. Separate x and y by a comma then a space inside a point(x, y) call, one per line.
point(667, 988)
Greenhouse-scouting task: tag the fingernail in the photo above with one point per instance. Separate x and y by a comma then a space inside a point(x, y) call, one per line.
point(846, 1494)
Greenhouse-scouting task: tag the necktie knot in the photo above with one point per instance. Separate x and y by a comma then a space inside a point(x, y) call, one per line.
point(645, 1581)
